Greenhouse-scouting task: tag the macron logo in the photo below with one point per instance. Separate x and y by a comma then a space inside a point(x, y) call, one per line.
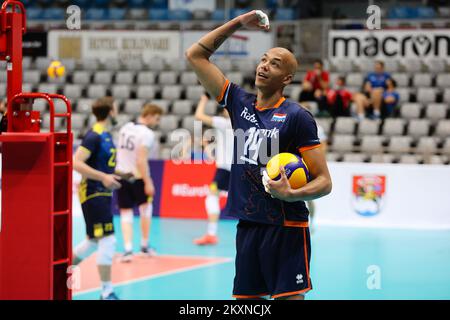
point(249, 116)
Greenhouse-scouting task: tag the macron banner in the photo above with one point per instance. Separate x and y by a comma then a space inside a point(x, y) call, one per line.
point(387, 196)
point(389, 44)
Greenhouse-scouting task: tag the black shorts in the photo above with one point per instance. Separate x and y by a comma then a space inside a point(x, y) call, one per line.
point(98, 217)
point(271, 260)
point(131, 194)
point(222, 179)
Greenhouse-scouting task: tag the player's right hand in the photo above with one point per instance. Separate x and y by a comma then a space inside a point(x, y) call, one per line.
point(149, 189)
point(110, 181)
point(255, 19)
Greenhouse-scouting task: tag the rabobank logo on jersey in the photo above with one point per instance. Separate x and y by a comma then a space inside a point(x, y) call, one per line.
point(249, 116)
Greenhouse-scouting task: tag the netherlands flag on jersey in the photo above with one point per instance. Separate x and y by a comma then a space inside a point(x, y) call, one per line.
point(279, 117)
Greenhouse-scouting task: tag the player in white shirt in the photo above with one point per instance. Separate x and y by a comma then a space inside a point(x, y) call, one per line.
point(223, 157)
point(136, 140)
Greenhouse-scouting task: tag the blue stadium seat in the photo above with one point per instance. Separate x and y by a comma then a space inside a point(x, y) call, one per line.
point(180, 15)
point(159, 4)
point(158, 14)
point(28, 3)
point(54, 14)
point(116, 13)
point(272, 4)
point(34, 13)
point(96, 14)
point(218, 15)
point(402, 13)
point(101, 3)
point(137, 3)
point(81, 3)
point(237, 12)
point(284, 14)
point(426, 13)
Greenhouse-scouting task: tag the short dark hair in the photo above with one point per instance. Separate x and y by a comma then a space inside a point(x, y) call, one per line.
point(394, 83)
point(319, 61)
point(102, 107)
point(380, 62)
point(342, 78)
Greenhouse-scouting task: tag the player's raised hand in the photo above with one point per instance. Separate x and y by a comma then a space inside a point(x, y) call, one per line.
point(255, 19)
point(110, 181)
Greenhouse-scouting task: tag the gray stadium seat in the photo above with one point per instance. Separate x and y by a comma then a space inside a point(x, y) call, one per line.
point(446, 95)
point(410, 110)
point(146, 77)
point(236, 77)
point(332, 156)
point(78, 121)
point(155, 64)
point(84, 105)
point(194, 92)
point(47, 88)
point(27, 87)
point(366, 65)
point(3, 76)
point(426, 95)
point(3, 89)
point(40, 105)
point(422, 80)
point(354, 157)
point(391, 65)
point(42, 63)
point(426, 145)
point(189, 78)
point(344, 125)
point(163, 104)
point(369, 127)
point(412, 65)
point(32, 76)
point(436, 111)
point(436, 65)
point(171, 92)
point(393, 127)
point(122, 119)
point(82, 77)
point(443, 80)
point(294, 94)
point(182, 107)
point(223, 64)
point(418, 128)
point(382, 158)
point(343, 65)
point(188, 123)
point(146, 91)
point(124, 77)
point(168, 78)
point(244, 65)
point(402, 79)
point(325, 123)
point(111, 64)
point(343, 143)
point(96, 91)
point(103, 77)
point(69, 65)
point(168, 123)
point(443, 129)
point(410, 159)
point(133, 106)
point(73, 91)
point(121, 91)
point(26, 63)
point(372, 144)
point(446, 146)
point(354, 80)
point(435, 159)
point(399, 144)
point(176, 64)
point(46, 122)
point(405, 94)
point(133, 65)
point(90, 64)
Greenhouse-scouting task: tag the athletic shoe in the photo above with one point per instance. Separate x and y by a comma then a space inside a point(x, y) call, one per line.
point(148, 251)
point(127, 256)
point(207, 239)
point(111, 296)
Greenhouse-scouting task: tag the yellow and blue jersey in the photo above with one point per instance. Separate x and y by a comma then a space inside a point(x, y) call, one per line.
point(260, 133)
point(102, 157)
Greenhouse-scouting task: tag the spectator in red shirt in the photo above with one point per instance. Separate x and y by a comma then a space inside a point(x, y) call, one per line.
point(338, 100)
point(315, 83)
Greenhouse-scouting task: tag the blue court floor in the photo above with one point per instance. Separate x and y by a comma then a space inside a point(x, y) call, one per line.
point(347, 263)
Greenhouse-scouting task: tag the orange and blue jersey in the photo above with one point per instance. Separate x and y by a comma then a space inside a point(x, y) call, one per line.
point(261, 132)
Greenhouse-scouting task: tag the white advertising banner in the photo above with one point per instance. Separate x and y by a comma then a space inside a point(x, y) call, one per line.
point(387, 196)
point(192, 5)
point(123, 45)
point(389, 44)
point(243, 44)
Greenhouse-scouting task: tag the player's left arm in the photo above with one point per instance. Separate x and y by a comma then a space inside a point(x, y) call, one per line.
point(144, 169)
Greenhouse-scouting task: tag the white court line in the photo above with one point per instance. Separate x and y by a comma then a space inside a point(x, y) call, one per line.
point(163, 274)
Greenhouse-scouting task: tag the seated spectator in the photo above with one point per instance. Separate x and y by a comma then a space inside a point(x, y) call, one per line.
point(336, 102)
point(315, 83)
point(390, 98)
point(372, 93)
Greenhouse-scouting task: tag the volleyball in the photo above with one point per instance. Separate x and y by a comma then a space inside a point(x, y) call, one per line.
point(296, 169)
point(56, 69)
